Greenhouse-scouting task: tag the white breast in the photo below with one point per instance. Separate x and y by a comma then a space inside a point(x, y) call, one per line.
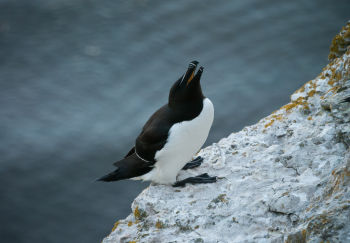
point(184, 141)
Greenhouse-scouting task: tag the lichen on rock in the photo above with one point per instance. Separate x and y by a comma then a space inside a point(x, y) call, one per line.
point(340, 42)
point(284, 179)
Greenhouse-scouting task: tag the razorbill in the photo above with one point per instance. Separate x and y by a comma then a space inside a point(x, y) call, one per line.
point(171, 137)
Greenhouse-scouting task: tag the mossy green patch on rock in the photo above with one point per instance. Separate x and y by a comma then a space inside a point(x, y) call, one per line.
point(160, 224)
point(298, 237)
point(221, 199)
point(139, 213)
point(184, 227)
point(143, 226)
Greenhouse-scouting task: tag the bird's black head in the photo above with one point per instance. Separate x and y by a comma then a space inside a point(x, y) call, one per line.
point(187, 90)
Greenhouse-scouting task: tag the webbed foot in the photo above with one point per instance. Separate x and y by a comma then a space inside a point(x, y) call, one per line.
point(194, 163)
point(203, 178)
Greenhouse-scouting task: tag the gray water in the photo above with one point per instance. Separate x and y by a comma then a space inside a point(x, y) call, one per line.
point(79, 78)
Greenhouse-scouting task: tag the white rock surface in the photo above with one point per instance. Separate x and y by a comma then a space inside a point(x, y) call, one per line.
point(285, 179)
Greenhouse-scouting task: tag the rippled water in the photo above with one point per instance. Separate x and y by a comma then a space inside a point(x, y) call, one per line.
point(80, 78)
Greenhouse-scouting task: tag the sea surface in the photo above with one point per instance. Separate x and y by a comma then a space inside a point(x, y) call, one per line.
point(79, 78)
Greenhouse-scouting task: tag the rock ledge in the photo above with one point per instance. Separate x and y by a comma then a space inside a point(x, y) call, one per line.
point(284, 179)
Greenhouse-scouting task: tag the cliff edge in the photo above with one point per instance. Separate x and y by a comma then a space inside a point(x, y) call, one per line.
point(284, 179)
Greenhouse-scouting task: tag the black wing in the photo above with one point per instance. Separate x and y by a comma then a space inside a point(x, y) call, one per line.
point(154, 133)
point(128, 167)
point(130, 152)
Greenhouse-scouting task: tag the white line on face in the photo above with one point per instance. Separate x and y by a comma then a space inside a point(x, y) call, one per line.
point(182, 79)
point(191, 64)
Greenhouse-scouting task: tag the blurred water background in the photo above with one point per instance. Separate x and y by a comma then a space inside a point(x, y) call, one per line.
point(79, 78)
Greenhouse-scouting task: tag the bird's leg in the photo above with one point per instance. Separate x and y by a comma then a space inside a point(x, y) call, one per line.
point(194, 163)
point(203, 178)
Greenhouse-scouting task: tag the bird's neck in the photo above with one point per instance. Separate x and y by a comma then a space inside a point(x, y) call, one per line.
point(188, 106)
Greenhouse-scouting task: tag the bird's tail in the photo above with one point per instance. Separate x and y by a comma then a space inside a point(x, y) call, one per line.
point(127, 168)
point(113, 176)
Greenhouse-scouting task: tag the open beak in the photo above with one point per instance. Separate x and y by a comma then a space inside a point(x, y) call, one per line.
point(190, 74)
point(191, 69)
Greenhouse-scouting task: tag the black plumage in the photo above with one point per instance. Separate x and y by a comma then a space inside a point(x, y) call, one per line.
point(185, 103)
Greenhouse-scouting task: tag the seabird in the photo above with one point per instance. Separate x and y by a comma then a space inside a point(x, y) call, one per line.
point(171, 137)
